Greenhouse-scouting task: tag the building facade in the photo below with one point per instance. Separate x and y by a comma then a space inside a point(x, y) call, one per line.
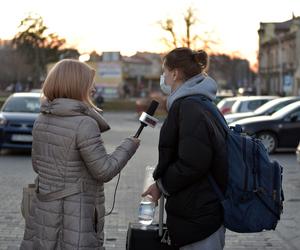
point(137, 75)
point(279, 58)
point(142, 73)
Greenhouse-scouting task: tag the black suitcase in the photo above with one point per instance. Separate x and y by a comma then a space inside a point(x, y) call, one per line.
point(152, 237)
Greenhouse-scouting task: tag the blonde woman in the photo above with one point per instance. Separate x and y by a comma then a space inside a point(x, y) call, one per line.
point(71, 163)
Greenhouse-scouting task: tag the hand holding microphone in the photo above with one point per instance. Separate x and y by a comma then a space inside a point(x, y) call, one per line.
point(147, 118)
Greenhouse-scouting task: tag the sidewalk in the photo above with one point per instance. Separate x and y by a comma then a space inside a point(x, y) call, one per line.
point(16, 171)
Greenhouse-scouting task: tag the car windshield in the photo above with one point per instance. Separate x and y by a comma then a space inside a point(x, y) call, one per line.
point(285, 110)
point(22, 104)
point(268, 106)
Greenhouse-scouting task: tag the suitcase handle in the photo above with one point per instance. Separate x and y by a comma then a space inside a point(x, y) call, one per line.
point(161, 215)
point(148, 179)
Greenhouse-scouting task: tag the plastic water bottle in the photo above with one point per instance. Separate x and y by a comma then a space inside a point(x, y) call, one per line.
point(147, 207)
point(146, 211)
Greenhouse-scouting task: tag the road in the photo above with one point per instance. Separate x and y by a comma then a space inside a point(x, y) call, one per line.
point(16, 172)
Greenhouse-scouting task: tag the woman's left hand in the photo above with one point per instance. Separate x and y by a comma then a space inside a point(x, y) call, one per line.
point(154, 192)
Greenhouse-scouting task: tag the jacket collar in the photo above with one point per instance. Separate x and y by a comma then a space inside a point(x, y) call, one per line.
point(71, 107)
point(200, 84)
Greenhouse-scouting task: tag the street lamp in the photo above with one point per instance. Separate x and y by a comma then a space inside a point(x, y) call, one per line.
point(280, 63)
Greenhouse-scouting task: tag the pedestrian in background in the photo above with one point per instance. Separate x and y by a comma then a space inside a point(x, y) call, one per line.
point(190, 148)
point(71, 163)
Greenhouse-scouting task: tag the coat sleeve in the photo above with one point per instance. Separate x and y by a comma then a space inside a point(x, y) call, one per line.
point(194, 150)
point(100, 164)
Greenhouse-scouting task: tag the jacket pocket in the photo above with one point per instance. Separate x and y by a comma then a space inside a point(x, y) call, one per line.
point(95, 224)
point(27, 200)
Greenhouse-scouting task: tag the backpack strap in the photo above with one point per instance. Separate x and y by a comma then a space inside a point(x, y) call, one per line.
point(211, 107)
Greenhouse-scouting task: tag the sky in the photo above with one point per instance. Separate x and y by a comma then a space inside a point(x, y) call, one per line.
point(132, 25)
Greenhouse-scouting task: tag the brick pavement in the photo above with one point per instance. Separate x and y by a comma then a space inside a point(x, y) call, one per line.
point(15, 171)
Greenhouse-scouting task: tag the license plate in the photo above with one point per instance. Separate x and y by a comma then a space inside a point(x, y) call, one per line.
point(22, 138)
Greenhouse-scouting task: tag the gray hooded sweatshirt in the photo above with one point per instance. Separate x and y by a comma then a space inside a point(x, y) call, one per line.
point(198, 84)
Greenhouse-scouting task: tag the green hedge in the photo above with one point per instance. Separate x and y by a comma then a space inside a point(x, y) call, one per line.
point(119, 105)
point(2, 100)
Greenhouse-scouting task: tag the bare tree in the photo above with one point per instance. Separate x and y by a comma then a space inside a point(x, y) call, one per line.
point(168, 25)
point(36, 45)
point(190, 20)
point(189, 40)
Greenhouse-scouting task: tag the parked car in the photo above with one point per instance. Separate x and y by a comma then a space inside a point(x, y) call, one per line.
point(298, 153)
point(36, 90)
point(142, 104)
point(250, 103)
point(225, 104)
point(241, 104)
point(222, 95)
point(280, 130)
point(17, 117)
point(266, 109)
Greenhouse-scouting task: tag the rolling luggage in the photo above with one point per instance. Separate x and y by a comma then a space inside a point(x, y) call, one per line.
point(152, 237)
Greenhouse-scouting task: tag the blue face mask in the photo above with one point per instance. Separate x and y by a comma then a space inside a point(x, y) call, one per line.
point(166, 89)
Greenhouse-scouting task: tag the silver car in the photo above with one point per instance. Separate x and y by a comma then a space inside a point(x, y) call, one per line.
point(242, 104)
point(250, 103)
point(267, 109)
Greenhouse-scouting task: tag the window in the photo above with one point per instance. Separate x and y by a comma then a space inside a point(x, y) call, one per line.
point(23, 105)
point(252, 105)
point(277, 107)
point(295, 114)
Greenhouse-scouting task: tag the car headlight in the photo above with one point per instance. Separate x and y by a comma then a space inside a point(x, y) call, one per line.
point(229, 120)
point(3, 121)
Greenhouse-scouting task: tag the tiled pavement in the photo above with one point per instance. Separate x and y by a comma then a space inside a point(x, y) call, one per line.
point(15, 171)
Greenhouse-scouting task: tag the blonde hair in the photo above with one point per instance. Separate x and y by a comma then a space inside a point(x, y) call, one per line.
point(71, 79)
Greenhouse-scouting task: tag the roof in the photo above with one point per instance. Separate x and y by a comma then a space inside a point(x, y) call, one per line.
point(284, 26)
point(242, 98)
point(26, 94)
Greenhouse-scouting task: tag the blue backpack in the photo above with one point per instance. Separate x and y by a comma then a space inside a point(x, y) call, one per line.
point(253, 200)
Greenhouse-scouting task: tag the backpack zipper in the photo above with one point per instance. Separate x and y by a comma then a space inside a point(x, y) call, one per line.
point(245, 163)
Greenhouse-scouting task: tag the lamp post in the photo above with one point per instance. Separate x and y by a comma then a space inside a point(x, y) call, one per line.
point(280, 64)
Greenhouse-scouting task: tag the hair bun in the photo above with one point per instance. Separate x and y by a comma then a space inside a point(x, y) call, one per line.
point(201, 58)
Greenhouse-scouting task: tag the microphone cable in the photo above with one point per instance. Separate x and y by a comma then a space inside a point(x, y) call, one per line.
point(150, 111)
point(114, 198)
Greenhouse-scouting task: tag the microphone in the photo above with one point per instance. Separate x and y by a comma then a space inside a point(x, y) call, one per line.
point(147, 118)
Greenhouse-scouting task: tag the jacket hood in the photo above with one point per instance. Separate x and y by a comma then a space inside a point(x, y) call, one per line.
point(199, 84)
point(71, 107)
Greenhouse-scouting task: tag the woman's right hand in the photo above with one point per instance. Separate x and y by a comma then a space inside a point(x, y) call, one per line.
point(136, 141)
point(154, 192)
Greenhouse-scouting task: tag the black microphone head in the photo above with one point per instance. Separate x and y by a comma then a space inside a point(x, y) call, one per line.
point(152, 108)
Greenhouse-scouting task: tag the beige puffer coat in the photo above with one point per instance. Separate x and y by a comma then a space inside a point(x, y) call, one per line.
point(68, 152)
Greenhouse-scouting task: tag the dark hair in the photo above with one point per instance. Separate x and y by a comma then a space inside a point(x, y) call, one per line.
point(190, 62)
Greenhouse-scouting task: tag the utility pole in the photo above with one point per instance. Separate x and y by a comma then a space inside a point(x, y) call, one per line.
point(280, 63)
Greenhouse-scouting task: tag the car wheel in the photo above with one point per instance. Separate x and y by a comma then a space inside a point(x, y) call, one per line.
point(269, 140)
